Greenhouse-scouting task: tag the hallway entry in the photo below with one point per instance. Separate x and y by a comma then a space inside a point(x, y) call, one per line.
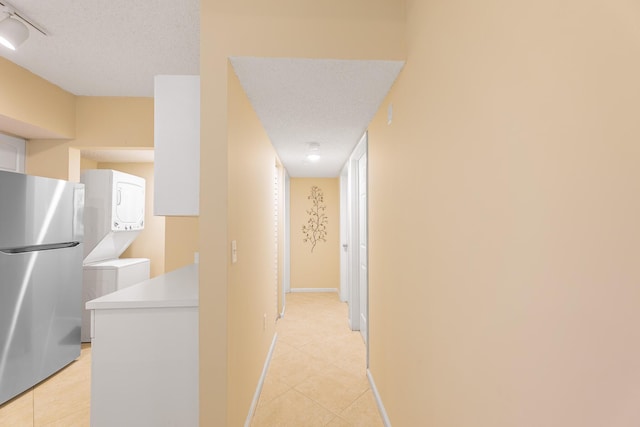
point(354, 280)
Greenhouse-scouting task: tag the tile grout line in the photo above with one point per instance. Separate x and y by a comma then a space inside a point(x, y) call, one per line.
point(302, 314)
point(329, 409)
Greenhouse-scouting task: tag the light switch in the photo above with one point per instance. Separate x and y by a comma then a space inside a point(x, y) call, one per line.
point(234, 252)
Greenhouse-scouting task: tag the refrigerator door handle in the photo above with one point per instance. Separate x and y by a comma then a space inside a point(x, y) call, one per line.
point(35, 248)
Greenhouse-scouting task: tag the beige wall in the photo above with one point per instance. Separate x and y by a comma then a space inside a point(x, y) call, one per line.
point(101, 123)
point(33, 105)
point(75, 163)
point(181, 241)
point(504, 218)
point(150, 243)
point(358, 29)
point(319, 268)
point(114, 122)
point(253, 279)
point(86, 164)
point(49, 158)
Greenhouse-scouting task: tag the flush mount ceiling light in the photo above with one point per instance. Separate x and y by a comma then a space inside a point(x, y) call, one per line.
point(13, 26)
point(313, 152)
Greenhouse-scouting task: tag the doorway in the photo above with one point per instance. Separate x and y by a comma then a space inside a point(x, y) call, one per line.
point(354, 283)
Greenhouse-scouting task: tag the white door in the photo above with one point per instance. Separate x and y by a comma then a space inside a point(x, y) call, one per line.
point(363, 279)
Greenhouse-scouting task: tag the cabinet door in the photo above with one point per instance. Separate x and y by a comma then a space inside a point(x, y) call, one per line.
point(12, 151)
point(177, 145)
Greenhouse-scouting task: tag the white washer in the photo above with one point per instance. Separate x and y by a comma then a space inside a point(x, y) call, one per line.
point(103, 277)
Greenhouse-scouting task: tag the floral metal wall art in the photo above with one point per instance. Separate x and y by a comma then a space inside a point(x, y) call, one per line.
point(316, 228)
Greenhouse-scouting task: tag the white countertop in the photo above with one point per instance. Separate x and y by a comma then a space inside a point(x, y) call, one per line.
point(178, 288)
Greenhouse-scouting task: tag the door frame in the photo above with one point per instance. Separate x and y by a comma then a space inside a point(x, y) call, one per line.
point(353, 237)
point(363, 247)
point(344, 234)
point(286, 273)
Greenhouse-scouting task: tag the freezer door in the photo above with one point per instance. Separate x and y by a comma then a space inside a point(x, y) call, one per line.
point(39, 211)
point(40, 315)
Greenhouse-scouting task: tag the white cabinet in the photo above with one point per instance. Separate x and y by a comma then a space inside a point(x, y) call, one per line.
point(144, 353)
point(177, 145)
point(12, 151)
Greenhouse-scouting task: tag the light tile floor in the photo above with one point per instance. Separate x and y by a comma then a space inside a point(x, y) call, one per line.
point(317, 375)
point(62, 400)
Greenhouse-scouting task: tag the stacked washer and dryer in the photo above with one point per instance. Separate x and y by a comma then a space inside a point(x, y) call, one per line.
point(113, 217)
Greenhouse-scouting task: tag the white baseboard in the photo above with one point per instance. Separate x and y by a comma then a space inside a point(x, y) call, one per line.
point(374, 389)
point(265, 368)
point(334, 290)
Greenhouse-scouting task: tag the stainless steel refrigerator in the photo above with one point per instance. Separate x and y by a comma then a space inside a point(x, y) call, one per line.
point(41, 251)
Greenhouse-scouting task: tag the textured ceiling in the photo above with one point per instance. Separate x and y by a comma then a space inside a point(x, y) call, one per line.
point(109, 48)
point(116, 47)
point(329, 102)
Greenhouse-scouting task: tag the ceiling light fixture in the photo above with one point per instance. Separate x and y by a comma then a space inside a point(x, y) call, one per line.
point(313, 152)
point(13, 33)
point(13, 27)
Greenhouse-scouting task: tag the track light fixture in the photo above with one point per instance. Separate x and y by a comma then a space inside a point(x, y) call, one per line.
point(13, 26)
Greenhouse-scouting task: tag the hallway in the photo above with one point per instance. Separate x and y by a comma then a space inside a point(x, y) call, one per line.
point(317, 374)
